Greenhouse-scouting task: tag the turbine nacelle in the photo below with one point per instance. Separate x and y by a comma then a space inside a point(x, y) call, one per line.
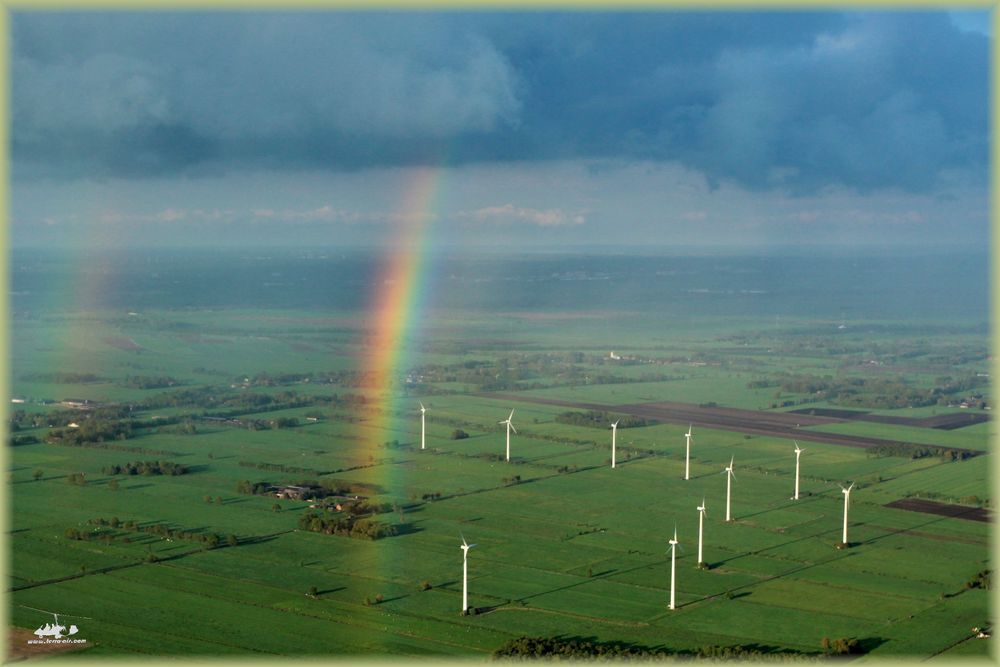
point(508, 423)
point(422, 408)
point(465, 545)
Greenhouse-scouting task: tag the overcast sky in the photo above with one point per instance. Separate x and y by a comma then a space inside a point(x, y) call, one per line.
point(654, 129)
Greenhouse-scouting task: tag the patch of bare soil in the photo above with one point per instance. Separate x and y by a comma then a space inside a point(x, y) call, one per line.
point(941, 509)
point(18, 647)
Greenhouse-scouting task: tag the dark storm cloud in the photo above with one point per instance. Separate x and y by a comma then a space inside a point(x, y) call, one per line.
point(801, 99)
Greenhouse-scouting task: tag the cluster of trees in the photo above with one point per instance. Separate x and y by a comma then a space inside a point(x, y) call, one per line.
point(346, 525)
point(18, 440)
point(91, 430)
point(148, 381)
point(76, 534)
point(260, 424)
point(528, 371)
point(510, 481)
point(459, 434)
point(600, 419)
point(980, 580)
point(878, 393)
point(21, 418)
point(915, 451)
point(342, 378)
point(209, 539)
point(78, 478)
point(248, 488)
point(185, 427)
point(64, 378)
point(842, 646)
point(146, 468)
point(577, 648)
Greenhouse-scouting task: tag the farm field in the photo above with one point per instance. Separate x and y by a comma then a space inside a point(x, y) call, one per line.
point(256, 401)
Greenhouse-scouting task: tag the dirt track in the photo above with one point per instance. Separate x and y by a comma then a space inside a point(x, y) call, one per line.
point(754, 422)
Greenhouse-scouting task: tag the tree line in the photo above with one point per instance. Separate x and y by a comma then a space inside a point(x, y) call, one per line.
point(875, 393)
point(600, 419)
point(146, 468)
point(914, 451)
point(572, 648)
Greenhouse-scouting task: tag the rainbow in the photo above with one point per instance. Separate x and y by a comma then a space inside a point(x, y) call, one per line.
point(399, 299)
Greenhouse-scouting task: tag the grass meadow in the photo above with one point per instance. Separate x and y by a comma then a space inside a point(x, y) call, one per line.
point(565, 545)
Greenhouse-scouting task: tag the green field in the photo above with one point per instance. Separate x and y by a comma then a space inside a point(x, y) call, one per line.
point(566, 545)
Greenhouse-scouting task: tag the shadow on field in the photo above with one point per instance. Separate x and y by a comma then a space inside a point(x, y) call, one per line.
point(407, 529)
point(897, 531)
point(869, 644)
point(40, 479)
point(137, 486)
point(331, 590)
point(804, 500)
point(198, 467)
point(257, 539)
point(587, 579)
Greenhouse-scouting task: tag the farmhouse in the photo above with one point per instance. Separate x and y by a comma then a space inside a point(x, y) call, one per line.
point(79, 403)
point(294, 492)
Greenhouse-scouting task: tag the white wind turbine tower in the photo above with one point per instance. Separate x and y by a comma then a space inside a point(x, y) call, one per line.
point(510, 427)
point(614, 431)
point(465, 573)
point(798, 453)
point(687, 458)
point(847, 502)
point(729, 485)
point(673, 567)
point(423, 430)
point(701, 529)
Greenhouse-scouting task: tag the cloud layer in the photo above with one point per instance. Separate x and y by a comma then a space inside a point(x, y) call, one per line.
point(798, 101)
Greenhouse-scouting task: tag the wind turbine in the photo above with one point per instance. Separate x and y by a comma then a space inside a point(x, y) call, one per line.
point(701, 529)
point(798, 453)
point(614, 431)
point(510, 427)
point(729, 485)
point(673, 567)
point(847, 502)
point(687, 458)
point(423, 430)
point(465, 573)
